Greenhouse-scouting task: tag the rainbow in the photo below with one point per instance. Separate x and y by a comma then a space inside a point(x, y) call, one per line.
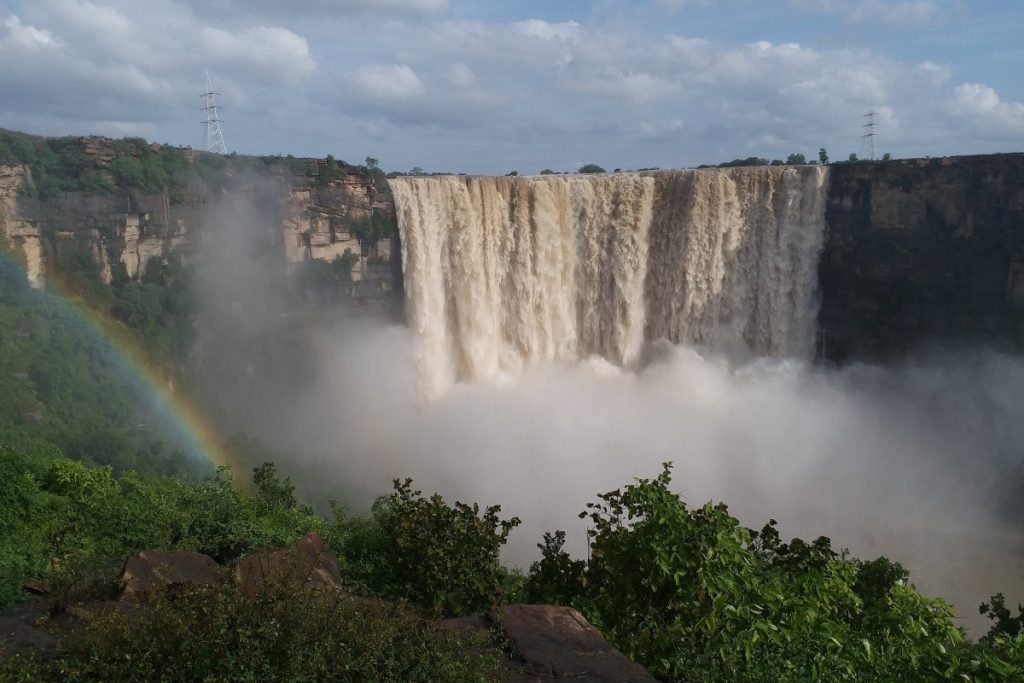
point(184, 421)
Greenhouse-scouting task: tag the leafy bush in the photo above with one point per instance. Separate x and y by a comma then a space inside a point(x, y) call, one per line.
point(590, 168)
point(372, 228)
point(696, 597)
point(442, 558)
point(215, 633)
point(66, 518)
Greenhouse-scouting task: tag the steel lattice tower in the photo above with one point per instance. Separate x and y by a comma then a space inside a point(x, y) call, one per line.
point(214, 135)
point(867, 140)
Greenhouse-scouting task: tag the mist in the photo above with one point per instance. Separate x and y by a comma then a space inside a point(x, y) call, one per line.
point(918, 461)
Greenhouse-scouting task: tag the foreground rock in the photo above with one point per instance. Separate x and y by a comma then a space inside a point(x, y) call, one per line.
point(554, 643)
point(17, 636)
point(153, 570)
point(307, 562)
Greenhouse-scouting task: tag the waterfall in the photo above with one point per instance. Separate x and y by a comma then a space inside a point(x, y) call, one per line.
point(500, 272)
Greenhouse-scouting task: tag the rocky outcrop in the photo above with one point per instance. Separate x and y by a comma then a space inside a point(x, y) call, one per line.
point(20, 232)
point(541, 642)
point(18, 636)
point(153, 570)
point(922, 251)
point(548, 642)
point(307, 563)
point(314, 216)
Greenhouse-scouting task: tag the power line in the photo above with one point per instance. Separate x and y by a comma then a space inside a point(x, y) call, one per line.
point(867, 140)
point(214, 135)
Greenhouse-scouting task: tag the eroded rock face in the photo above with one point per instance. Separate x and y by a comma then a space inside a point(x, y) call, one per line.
point(547, 642)
point(922, 251)
point(308, 562)
point(152, 570)
point(22, 234)
point(308, 219)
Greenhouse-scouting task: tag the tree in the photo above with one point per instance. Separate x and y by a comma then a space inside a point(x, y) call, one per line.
point(796, 160)
point(372, 164)
point(823, 156)
point(886, 157)
point(512, 174)
point(591, 168)
point(853, 157)
point(443, 558)
point(547, 171)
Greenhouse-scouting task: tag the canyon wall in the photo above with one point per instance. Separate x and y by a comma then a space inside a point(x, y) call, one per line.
point(922, 252)
point(914, 252)
point(312, 217)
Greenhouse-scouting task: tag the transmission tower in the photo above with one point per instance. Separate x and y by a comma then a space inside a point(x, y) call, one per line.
point(214, 136)
point(867, 140)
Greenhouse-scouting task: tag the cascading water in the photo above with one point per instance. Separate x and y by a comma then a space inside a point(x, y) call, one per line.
point(503, 271)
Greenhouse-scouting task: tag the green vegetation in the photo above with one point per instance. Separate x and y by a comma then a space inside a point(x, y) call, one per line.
point(694, 596)
point(215, 633)
point(590, 168)
point(65, 164)
point(327, 282)
point(689, 593)
point(62, 519)
point(372, 228)
point(441, 558)
point(64, 389)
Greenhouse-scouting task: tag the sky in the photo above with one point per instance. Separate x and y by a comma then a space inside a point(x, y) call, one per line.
point(492, 86)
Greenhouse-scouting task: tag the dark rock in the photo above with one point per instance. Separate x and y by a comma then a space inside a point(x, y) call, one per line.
point(16, 637)
point(476, 623)
point(922, 252)
point(155, 569)
point(558, 643)
point(307, 562)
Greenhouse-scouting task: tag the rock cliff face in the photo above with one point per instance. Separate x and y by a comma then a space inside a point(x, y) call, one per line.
point(316, 216)
point(921, 252)
point(15, 229)
point(916, 252)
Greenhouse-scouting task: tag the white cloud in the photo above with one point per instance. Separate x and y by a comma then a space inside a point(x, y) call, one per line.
point(389, 82)
point(489, 95)
point(276, 52)
point(568, 32)
point(982, 105)
point(15, 35)
point(896, 12)
point(461, 76)
point(635, 86)
point(326, 9)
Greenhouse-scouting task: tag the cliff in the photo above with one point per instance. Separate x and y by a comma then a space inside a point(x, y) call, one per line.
point(922, 252)
point(125, 202)
point(918, 251)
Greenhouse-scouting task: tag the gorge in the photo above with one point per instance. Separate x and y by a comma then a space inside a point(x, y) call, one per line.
point(574, 331)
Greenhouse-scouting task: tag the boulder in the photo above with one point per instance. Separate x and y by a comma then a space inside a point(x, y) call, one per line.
point(152, 570)
point(307, 562)
point(558, 643)
point(475, 623)
point(16, 637)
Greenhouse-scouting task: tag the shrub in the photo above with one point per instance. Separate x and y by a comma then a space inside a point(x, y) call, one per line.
point(694, 596)
point(442, 558)
point(215, 633)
